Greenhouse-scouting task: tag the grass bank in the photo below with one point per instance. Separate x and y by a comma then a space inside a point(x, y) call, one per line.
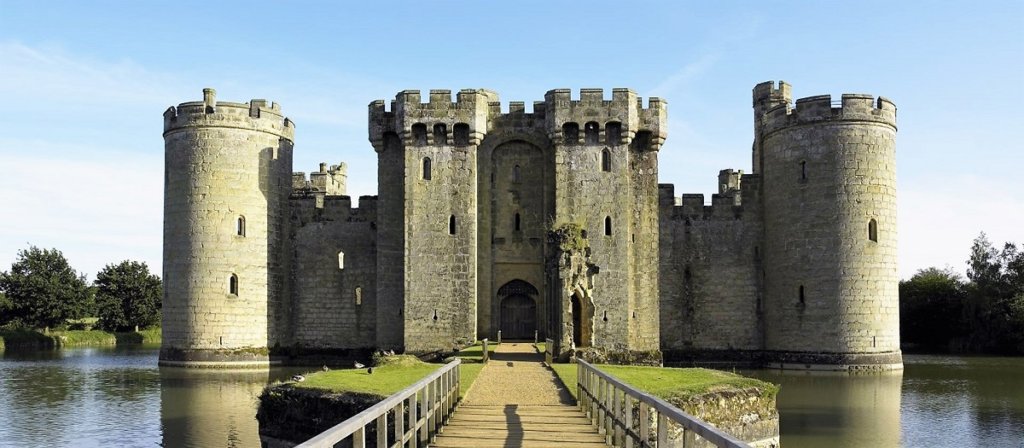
point(475, 352)
point(394, 374)
point(672, 384)
point(74, 338)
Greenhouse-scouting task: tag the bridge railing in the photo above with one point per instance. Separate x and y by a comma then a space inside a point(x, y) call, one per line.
point(416, 412)
point(624, 415)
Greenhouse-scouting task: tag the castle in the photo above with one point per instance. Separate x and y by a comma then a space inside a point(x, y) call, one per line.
point(547, 224)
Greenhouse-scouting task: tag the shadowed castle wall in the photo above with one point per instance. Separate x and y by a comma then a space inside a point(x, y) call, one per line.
point(334, 272)
point(710, 270)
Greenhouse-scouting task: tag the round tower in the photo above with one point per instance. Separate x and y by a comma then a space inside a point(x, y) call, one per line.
point(831, 286)
point(226, 183)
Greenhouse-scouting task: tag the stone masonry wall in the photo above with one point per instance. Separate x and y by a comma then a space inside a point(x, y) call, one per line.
point(710, 274)
point(829, 171)
point(643, 247)
point(335, 304)
point(224, 161)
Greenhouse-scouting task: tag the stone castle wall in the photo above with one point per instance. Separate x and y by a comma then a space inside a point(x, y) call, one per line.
point(793, 265)
point(224, 162)
point(829, 173)
point(710, 271)
point(334, 272)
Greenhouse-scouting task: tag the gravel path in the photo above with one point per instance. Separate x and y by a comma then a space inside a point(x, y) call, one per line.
point(515, 375)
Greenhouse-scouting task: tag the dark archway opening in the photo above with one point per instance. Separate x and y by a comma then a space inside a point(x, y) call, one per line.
point(577, 321)
point(518, 317)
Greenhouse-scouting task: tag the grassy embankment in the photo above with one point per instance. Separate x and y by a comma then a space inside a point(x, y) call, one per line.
point(71, 338)
point(394, 374)
point(671, 384)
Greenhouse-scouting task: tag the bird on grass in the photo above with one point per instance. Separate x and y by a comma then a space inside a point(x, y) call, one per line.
point(325, 368)
point(358, 365)
point(298, 378)
point(369, 371)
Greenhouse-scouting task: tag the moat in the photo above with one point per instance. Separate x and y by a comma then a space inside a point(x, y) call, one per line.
point(88, 397)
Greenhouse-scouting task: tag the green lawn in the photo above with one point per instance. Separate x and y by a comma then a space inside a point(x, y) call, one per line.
point(467, 374)
point(398, 373)
point(668, 383)
point(474, 353)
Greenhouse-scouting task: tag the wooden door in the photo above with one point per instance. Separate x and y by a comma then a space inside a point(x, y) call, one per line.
point(518, 317)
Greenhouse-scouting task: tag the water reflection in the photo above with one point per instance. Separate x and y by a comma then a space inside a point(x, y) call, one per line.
point(78, 397)
point(976, 401)
point(837, 409)
point(210, 408)
point(98, 397)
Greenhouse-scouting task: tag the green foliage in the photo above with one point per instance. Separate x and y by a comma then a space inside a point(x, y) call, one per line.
point(932, 308)
point(42, 289)
point(127, 295)
point(985, 314)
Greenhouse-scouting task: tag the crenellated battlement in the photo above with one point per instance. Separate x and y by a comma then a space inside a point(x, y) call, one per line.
point(609, 122)
point(821, 108)
point(329, 181)
point(439, 121)
point(309, 207)
point(257, 114)
point(737, 198)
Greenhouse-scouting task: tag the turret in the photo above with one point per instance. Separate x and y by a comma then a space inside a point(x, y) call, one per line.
point(829, 195)
point(427, 257)
point(228, 176)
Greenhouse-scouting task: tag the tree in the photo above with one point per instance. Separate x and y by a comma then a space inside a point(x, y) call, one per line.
point(984, 267)
point(42, 289)
point(127, 295)
point(931, 308)
point(995, 305)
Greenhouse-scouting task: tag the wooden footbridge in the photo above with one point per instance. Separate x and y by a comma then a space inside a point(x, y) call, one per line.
point(517, 401)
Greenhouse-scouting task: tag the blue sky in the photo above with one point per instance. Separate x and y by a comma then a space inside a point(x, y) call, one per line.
point(84, 86)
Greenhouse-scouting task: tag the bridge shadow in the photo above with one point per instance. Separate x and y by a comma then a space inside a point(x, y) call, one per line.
point(524, 357)
point(514, 427)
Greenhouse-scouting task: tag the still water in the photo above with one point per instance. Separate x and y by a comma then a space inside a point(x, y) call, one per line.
point(90, 397)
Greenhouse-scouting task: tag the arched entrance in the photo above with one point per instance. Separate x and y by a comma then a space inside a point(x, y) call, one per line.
point(518, 312)
point(518, 317)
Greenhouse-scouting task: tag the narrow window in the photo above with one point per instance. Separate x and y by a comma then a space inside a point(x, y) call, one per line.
point(460, 133)
point(516, 174)
point(802, 301)
point(341, 260)
point(419, 134)
point(803, 170)
point(440, 134)
point(687, 275)
point(571, 133)
point(606, 160)
point(426, 168)
point(873, 230)
point(451, 225)
point(517, 222)
point(233, 285)
point(240, 226)
point(359, 295)
point(613, 133)
point(592, 132)
point(607, 225)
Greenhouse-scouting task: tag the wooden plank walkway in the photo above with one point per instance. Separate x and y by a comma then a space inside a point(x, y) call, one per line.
point(517, 402)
